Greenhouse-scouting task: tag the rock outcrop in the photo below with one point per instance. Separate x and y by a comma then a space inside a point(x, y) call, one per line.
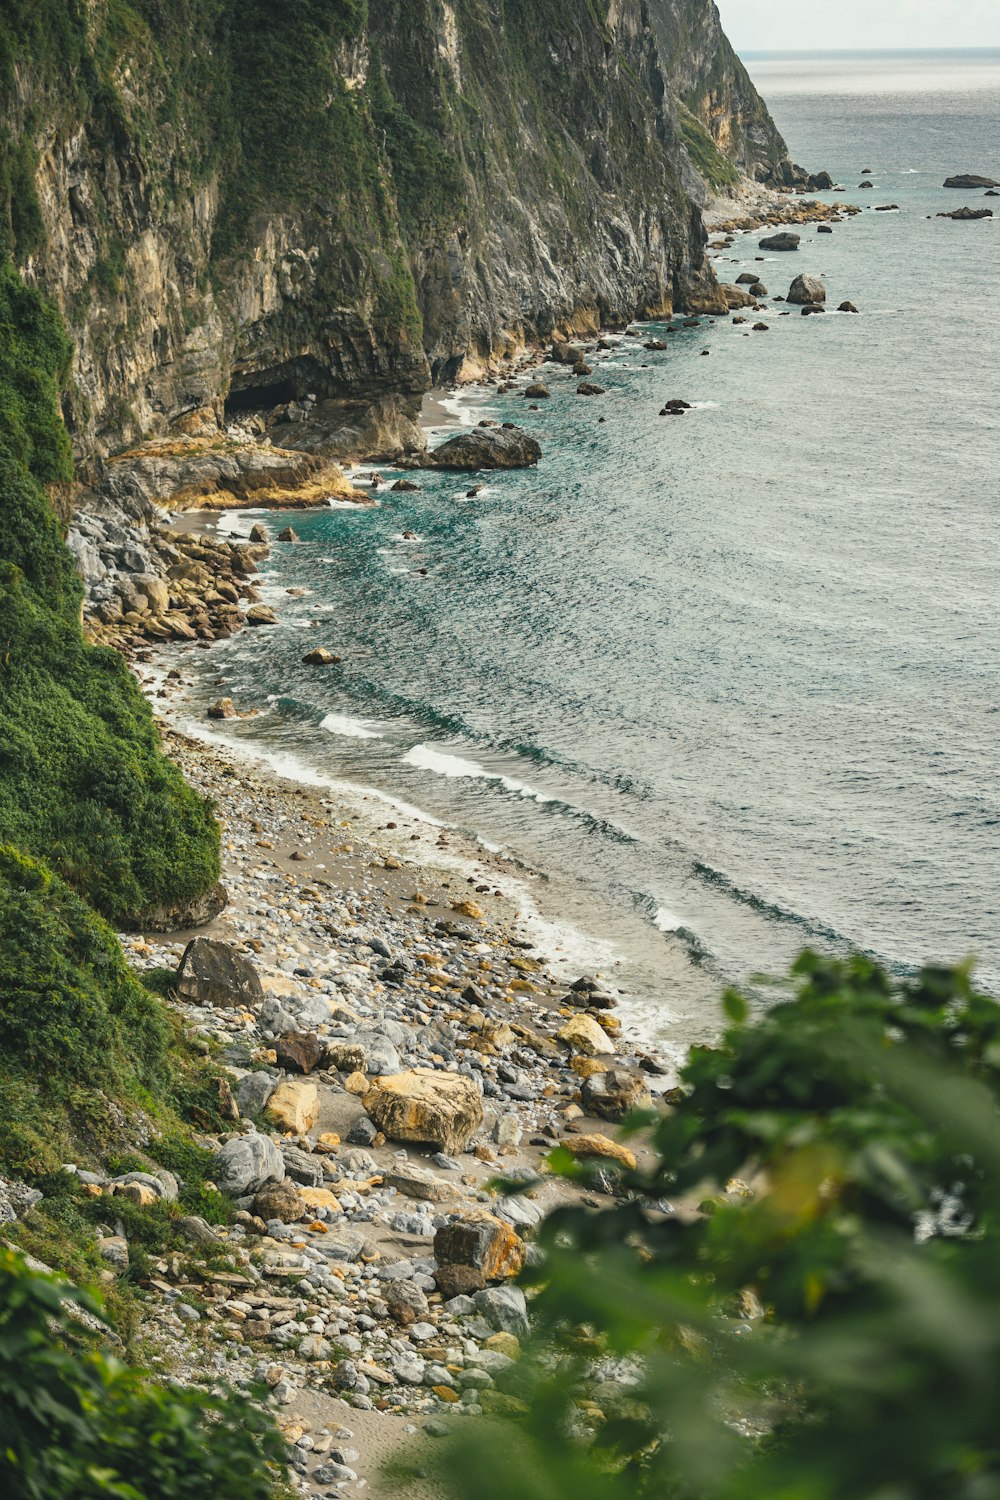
point(382, 214)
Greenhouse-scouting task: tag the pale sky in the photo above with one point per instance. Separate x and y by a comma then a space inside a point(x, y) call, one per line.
point(776, 25)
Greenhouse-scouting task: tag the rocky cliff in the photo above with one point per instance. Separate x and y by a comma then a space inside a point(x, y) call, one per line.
point(251, 201)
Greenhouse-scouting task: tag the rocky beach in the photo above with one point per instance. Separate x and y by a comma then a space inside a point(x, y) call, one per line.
point(394, 1046)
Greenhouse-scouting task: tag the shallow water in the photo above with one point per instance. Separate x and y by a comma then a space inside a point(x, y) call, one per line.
point(729, 680)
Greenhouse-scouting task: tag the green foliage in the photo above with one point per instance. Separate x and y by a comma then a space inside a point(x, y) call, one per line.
point(717, 169)
point(827, 1327)
point(77, 1425)
point(83, 783)
point(428, 180)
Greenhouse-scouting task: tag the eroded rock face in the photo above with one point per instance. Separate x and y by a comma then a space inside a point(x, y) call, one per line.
point(195, 913)
point(434, 1109)
point(213, 973)
point(486, 448)
point(807, 291)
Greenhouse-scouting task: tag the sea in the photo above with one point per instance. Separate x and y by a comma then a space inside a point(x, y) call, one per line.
point(726, 685)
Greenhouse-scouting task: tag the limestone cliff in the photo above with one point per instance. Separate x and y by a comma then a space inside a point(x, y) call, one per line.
point(251, 201)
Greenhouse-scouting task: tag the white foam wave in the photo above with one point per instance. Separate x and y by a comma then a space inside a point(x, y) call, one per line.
point(354, 729)
point(426, 758)
point(667, 921)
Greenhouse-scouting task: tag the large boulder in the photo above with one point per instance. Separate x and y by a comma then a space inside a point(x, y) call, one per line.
point(600, 1148)
point(970, 180)
point(213, 973)
point(486, 448)
point(783, 241)
point(584, 1034)
point(487, 1244)
point(246, 1163)
point(433, 1109)
point(294, 1106)
point(614, 1094)
point(299, 1053)
point(504, 1308)
point(736, 297)
point(807, 291)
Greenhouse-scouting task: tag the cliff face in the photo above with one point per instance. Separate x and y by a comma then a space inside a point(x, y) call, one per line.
point(245, 200)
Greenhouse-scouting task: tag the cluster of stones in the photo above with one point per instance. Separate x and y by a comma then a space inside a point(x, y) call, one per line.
point(382, 1067)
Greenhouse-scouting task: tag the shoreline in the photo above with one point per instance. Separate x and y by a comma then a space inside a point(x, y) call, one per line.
point(374, 959)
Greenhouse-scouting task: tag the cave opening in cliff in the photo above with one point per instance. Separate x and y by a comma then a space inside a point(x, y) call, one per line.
point(260, 397)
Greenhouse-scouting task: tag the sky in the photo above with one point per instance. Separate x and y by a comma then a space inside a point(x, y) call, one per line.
point(775, 25)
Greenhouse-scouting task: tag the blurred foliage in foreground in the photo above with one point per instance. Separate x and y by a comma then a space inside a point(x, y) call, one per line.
point(827, 1326)
point(77, 1425)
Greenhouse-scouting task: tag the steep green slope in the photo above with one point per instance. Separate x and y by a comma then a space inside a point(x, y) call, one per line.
point(83, 784)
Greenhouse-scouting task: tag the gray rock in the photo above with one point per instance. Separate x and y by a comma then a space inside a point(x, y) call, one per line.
point(486, 448)
point(253, 1091)
point(504, 1309)
point(783, 241)
point(213, 973)
point(807, 291)
point(245, 1164)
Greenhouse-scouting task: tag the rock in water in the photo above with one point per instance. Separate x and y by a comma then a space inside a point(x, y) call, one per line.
point(970, 180)
point(784, 241)
point(969, 213)
point(261, 614)
point(213, 973)
point(223, 708)
point(486, 448)
point(319, 657)
point(808, 291)
point(430, 1108)
point(245, 1164)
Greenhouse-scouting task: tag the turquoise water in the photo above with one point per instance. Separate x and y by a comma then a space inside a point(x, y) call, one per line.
point(730, 681)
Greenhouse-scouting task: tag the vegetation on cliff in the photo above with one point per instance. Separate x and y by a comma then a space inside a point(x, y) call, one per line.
point(83, 784)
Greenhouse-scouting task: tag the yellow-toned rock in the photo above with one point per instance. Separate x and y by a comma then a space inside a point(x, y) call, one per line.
point(294, 1106)
point(470, 909)
point(357, 1083)
point(586, 1067)
point(487, 1244)
point(584, 1035)
point(434, 1109)
point(315, 1197)
point(138, 1192)
point(601, 1147)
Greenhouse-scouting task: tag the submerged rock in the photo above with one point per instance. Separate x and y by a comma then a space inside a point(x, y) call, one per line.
point(970, 180)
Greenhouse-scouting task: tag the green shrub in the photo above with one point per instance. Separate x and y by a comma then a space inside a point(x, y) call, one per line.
point(77, 1425)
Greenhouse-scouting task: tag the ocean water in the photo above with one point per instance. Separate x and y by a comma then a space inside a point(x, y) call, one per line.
point(729, 682)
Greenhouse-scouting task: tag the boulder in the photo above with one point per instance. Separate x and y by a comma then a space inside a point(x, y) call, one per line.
point(244, 1164)
point(783, 241)
point(504, 1309)
point(213, 973)
point(299, 1053)
point(567, 354)
point(417, 1182)
point(825, 229)
point(746, 278)
point(223, 708)
point(847, 307)
point(583, 1034)
point(320, 657)
point(294, 1106)
point(588, 388)
point(279, 1200)
point(600, 1148)
point(253, 1091)
point(969, 213)
point(458, 1281)
point(614, 1094)
point(486, 1243)
point(259, 533)
point(807, 290)
point(537, 392)
point(288, 535)
point(486, 448)
point(819, 182)
point(736, 297)
point(969, 180)
point(443, 1110)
